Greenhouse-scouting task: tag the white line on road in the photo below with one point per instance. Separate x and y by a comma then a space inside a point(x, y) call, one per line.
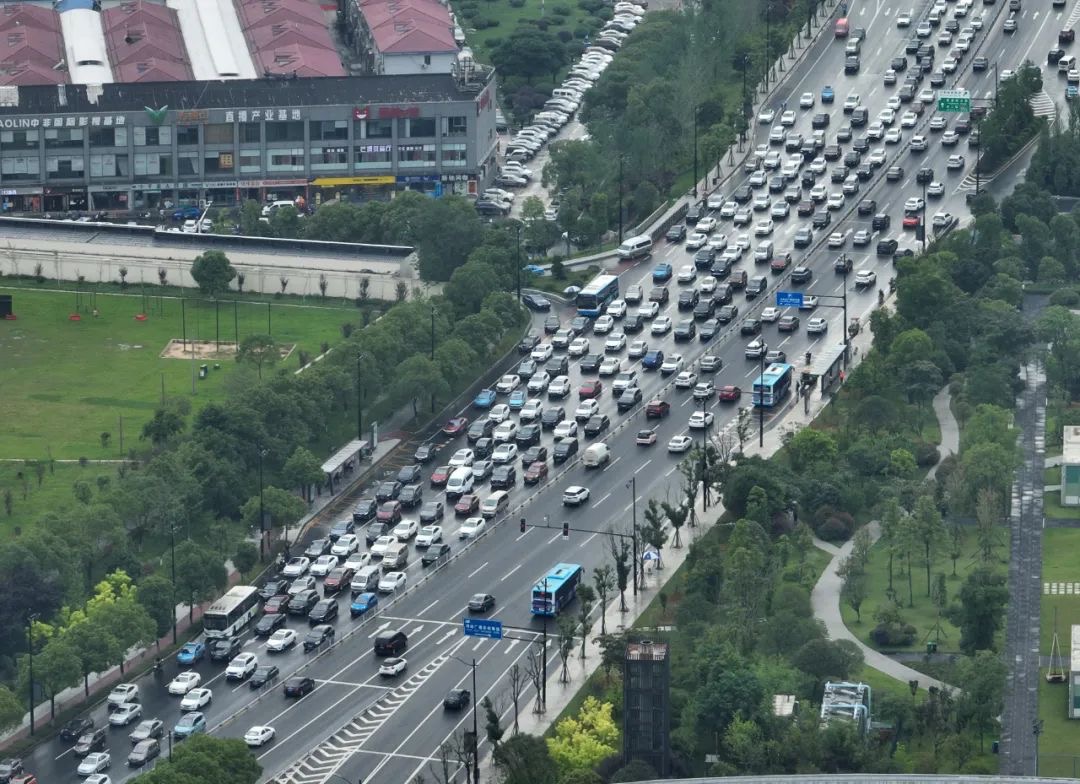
point(510, 573)
point(428, 607)
point(642, 467)
point(479, 643)
point(785, 340)
point(478, 570)
point(379, 631)
point(751, 372)
point(671, 471)
point(583, 544)
point(552, 539)
point(447, 636)
point(522, 536)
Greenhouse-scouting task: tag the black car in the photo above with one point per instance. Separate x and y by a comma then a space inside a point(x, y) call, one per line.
point(887, 247)
point(704, 257)
point(432, 512)
point(224, 649)
point(839, 173)
point(527, 435)
point(982, 63)
point(143, 752)
point(534, 454)
point(820, 121)
point(318, 547)
point(596, 425)
point(852, 64)
point(482, 448)
point(264, 674)
point(867, 206)
point(750, 326)
point(557, 366)
point(388, 490)
point(899, 64)
point(720, 268)
point(694, 213)
point(861, 145)
point(579, 325)
point(424, 453)
point(481, 602)
point(551, 417)
point(552, 325)
point(864, 171)
point(676, 233)
point(365, 510)
point(801, 274)
point(880, 222)
point(273, 588)
point(76, 728)
point(340, 528)
point(503, 477)
point(564, 449)
point(822, 218)
point(685, 330)
point(457, 699)
point(374, 531)
point(704, 309)
point(434, 554)
point(319, 636)
point(411, 496)
point(807, 178)
point(529, 342)
point(743, 194)
point(269, 624)
point(481, 428)
point(303, 602)
point(590, 363)
point(709, 330)
point(324, 611)
point(688, 299)
point(90, 741)
point(852, 158)
point(727, 313)
point(536, 303)
point(925, 174)
point(803, 237)
point(832, 152)
point(410, 473)
point(299, 685)
point(912, 45)
point(859, 117)
point(628, 398)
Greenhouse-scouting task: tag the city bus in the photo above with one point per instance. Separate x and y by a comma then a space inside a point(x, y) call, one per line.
point(594, 298)
point(232, 612)
point(556, 590)
point(773, 385)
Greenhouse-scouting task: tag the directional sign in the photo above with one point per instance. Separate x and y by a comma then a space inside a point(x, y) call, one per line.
point(475, 627)
point(789, 299)
point(954, 101)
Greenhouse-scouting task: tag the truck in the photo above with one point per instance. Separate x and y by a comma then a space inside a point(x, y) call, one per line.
point(596, 456)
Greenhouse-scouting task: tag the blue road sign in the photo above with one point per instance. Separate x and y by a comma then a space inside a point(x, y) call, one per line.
point(789, 299)
point(475, 627)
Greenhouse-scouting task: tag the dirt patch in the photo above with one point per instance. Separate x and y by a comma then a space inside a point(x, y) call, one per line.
point(208, 349)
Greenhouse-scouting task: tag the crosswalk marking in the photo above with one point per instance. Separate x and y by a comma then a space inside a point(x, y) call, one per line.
point(1061, 589)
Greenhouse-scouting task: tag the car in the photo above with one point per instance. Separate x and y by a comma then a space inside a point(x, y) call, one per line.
point(472, 528)
point(673, 363)
point(817, 326)
point(645, 437)
point(559, 387)
point(766, 115)
point(943, 221)
point(434, 554)
point(506, 431)
point(123, 693)
point(281, 640)
point(728, 393)
point(615, 342)
point(299, 685)
point(379, 546)
point(764, 228)
point(183, 683)
point(661, 326)
point(481, 602)
point(270, 623)
point(347, 544)
point(567, 429)
point(837, 239)
point(393, 666)
point(191, 653)
point(323, 564)
point(903, 19)
point(676, 233)
point(806, 101)
point(147, 729)
point(339, 578)
point(827, 94)
point(94, 763)
point(91, 740)
point(700, 420)
point(296, 566)
point(122, 715)
point(504, 453)
point(392, 581)
point(686, 379)
point(756, 349)
point(259, 735)
point(517, 399)
point(362, 603)
point(189, 724)
point(680, 443)
point(405, 530)
point(434, 510)
point(536, 302)
point(431, 534)
point(485, 398)
point(788, 323)
point(457, 699)
point(662, 272)
point(575, 495)
point(955, 162)
point(195, 699)
point(321, 545)
point(865, 278)
point(320, 635)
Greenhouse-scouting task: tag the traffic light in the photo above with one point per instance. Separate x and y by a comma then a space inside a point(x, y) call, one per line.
point(522, 525)
point(566, 530)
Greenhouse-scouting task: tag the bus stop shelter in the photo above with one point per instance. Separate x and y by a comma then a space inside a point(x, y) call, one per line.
point(345, 460)
point(824, 367)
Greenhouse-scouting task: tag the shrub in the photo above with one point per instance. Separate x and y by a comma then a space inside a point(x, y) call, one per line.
point(517, 3)
point(926, 455)
point(1065, 297)
point(484, 22)
point(582, 32)
point(542, 24)
point(835, 529)
point(565, 36)
point(605, 14)
point(247, 555)
point(893, 635)
point(561, 10)
point(590, 6)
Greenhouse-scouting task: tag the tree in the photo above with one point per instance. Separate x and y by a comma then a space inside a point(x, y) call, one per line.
point(853, 590)
point(635, 770)
point(158, 595)
point(586, 597)
point(167, 422)
point(516, 678)
point(928, 530)
point(982, 700)
point(581, 742)
point(200, 573)
point(304, 470)
point(492, 727)
point(566, 629)
point(604, 583)
point(206, 759)
point(620, 555)
point(213, 272)
point(981, 611)
point(469, 284)
point(451, 231)
point(810, 447)
point(744, 745)
point(418, 378)
point(828, 658)
point(528, 53)
point(652, 531)
point(258, 350)
point(56, 667)
point(987, 518)
point(282, 508)
point(96, 647)
point(676, 515)
point(11, 709)
point(115, 608)
point(524, 759)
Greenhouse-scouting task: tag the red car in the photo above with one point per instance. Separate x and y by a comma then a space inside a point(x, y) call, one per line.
point(911, 221)
point(657, 409)
point(276, 604)
point(729, 392)
point(536, 473)
point(389, 512)
point(590, 389)
point(455, 426)
point(439, 476)
point(467, 505)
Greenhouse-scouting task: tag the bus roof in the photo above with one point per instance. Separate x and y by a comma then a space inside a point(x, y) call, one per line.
point(598, 284)
point(773, 373)
point(232, 597)
point(557, 576)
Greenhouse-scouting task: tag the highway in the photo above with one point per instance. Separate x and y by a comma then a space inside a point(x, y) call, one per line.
point(363, 727)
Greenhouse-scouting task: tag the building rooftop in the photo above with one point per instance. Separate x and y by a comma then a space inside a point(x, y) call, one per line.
point(1070, 445)
point(409, 26)
point(235, 94)
point(646, 650)
point(145, 44)
point(289, 37)
point(847, 702)
point(31, 46)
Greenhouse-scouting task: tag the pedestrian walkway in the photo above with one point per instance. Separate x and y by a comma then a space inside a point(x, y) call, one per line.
point(950, 429)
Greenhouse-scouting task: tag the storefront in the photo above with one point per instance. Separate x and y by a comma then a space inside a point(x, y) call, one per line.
point(353, 189)
point(65, 199)
point(21, 200)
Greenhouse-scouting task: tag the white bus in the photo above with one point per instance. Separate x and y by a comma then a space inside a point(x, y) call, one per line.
point(232, 612)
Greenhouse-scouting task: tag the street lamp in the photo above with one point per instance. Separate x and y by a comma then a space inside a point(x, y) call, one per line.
point(360, 357)
point(632, 487)
point(704, 449)
point(760, 395)
point(475, 726)
point(1036, 730)
point(262, 509)
point(30, 646)
point(696, 108)
point(517, 258)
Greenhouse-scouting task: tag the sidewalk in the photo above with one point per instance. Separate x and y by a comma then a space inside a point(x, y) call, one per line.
point(950, 428)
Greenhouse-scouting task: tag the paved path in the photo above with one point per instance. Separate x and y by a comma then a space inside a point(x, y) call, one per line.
point(950, 428)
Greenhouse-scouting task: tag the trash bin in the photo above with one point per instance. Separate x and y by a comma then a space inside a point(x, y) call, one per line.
point(931, 646)
point(204, 370)
point(994, 746)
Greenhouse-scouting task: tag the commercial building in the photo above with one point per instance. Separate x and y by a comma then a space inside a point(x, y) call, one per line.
point(1070, 467)
point(848, 702)
point(647, 705)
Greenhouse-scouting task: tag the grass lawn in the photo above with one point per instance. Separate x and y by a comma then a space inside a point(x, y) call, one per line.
point(880, 683)
point(1052, 475)
point(1060, 739)
point(67, 382)
point(1053, 509)
point(1059, 565)
point(560, 15)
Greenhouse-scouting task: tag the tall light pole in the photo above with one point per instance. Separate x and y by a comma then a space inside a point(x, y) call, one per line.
point(632, 487)
point(172, 552)
point(696, 107)
point(30, 646)
point(360, 357)
point(262, 508)
point(704, 450)
point(760, 397)
point(1036, 730)
point(475, 728)
point(517, 259)
point(432, 333)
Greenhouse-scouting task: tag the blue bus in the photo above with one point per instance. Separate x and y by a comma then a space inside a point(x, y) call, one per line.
point(773, 385)
point(594, 298)
point(557, 589)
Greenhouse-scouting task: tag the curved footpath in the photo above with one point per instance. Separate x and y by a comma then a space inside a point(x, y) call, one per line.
point(825, 598)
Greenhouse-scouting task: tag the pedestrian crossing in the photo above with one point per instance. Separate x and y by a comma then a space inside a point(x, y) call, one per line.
point(1043, 105)
point(1061, 589)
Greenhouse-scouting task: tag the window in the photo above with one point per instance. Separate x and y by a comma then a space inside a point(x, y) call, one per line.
point(152, 137)
point(250, 132)
point(187, 135)
point(416, 127)
point(373, 156)
point(109, 166)
point(285, 131)
point(455, 155)
point(56, 138)
point(455, 126)
point(218, 133)
point(22, 168)
point(285, 160)
point(64, 167)
point(149, 164)
point(329, 158)
point(11, 140)
point(328, 130)
point(412, 156)
point(108, 137)
point(375, 129)
point(250, 161)
point(217, 162)
point(187, 164)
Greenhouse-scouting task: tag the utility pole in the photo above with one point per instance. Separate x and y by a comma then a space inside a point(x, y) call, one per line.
point(632, 485)
point(696, 107)
point(262, 509)
point(760, 395)
point(475, 731)
point(359, 405)
point(172, 552)
point(621, 198)
point(518, 256)
point(30, 646)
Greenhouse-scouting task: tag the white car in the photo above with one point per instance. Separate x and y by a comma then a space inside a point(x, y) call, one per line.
point(818, 193)
point(718, 242)
point(686, 380)
point(861, 237)
point(787, 119)
point(616, 342)
point(575, 495)
point(392, 667)
point(539, 382)
point(568, 428)
point(183, 683)
point(700, 420)
point(950, 138)
point(281, 640)
point(876, 130)
point(405, 530)
point(637, 349)
point(837, 239)
point(392, 581)
point(125, 713)
point(729, 209)
point(542, 353)
point(323, 564)
point(648, 310)
point(617, 308)
point(817, 326)
point(259, 735)
point(661, 326)
point(851, 103)
point(609, 366)
point(835, 201)
point(887, 116)
point(472, 528)
point(949, 64)
point(914, 204)
point(935, 189)
point(508, 383)
point(766, 116)
point(706, 225)
point(708, 284)
point(770, 314)
point(506, 431)
point(429, 535)
point(559, 386)
point(603, 324)
point(305, 583)
point(806, 101)
point(296, 566)
point(687, 274)
point(764, 228)
point(928, 96)
point(94, 763)
point(578, 347)
point(586, 409)
point(673, 363)
point(903, 19)
point(357, 561)
point(918, 143)
point(499, 413)
point(531, 411)
point(893, 136)
point(196, 699)
point(955, 162)
point(755, 349)
point(865, 278)
point(346, 545)
point(818, 165)
point(943, 220)
point(123, 693)
point(680, 443)
point(893, 103)
point(380, 545)
point(462, 457)
point(504, 453)
point(924, 30)
point(242, 665)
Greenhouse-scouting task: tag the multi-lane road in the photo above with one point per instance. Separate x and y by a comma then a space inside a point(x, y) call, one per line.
point(364, 727)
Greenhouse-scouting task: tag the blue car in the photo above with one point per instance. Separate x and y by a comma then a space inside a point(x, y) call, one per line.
point(485, 398)
point(661, 272)
point(191, 653)
point(187, 213)
point(516, 400)
point(534, 269)
point(189, 724)
point(827, 94)
point(1071, 92)
point(652, 359)
point(363, 603)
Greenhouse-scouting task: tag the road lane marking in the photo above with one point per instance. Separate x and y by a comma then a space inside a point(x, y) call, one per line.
point(478, 569)
point(583, 544)
point(643, 465)
point(556, 536)
point(428, 607)
point(378, 631)
point(671, 470)
point(510, 573)
point(478, 644)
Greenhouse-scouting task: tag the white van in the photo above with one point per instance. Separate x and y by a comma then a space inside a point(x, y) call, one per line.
point(635, 248)
point(495, 504)
point(367, 579)
point(764, 251)
point(568, 94)
point(395, 557)
point(596, 456)
point(1066, 63)
point(460, 482)
point(270, 208)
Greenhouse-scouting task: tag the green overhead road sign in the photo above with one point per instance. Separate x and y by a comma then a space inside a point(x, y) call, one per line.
point(954, 101)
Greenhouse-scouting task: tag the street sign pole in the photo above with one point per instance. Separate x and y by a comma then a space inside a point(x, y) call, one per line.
point(789, 299)
point(954, 101)
point(477, 627)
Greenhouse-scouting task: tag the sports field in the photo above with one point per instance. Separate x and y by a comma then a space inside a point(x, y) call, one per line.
point(63, 383)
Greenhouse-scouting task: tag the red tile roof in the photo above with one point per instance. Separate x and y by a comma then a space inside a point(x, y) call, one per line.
point(289, 36)
point(301, 60)
point(145, 43)
point(409, 26)
point(31, 46)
